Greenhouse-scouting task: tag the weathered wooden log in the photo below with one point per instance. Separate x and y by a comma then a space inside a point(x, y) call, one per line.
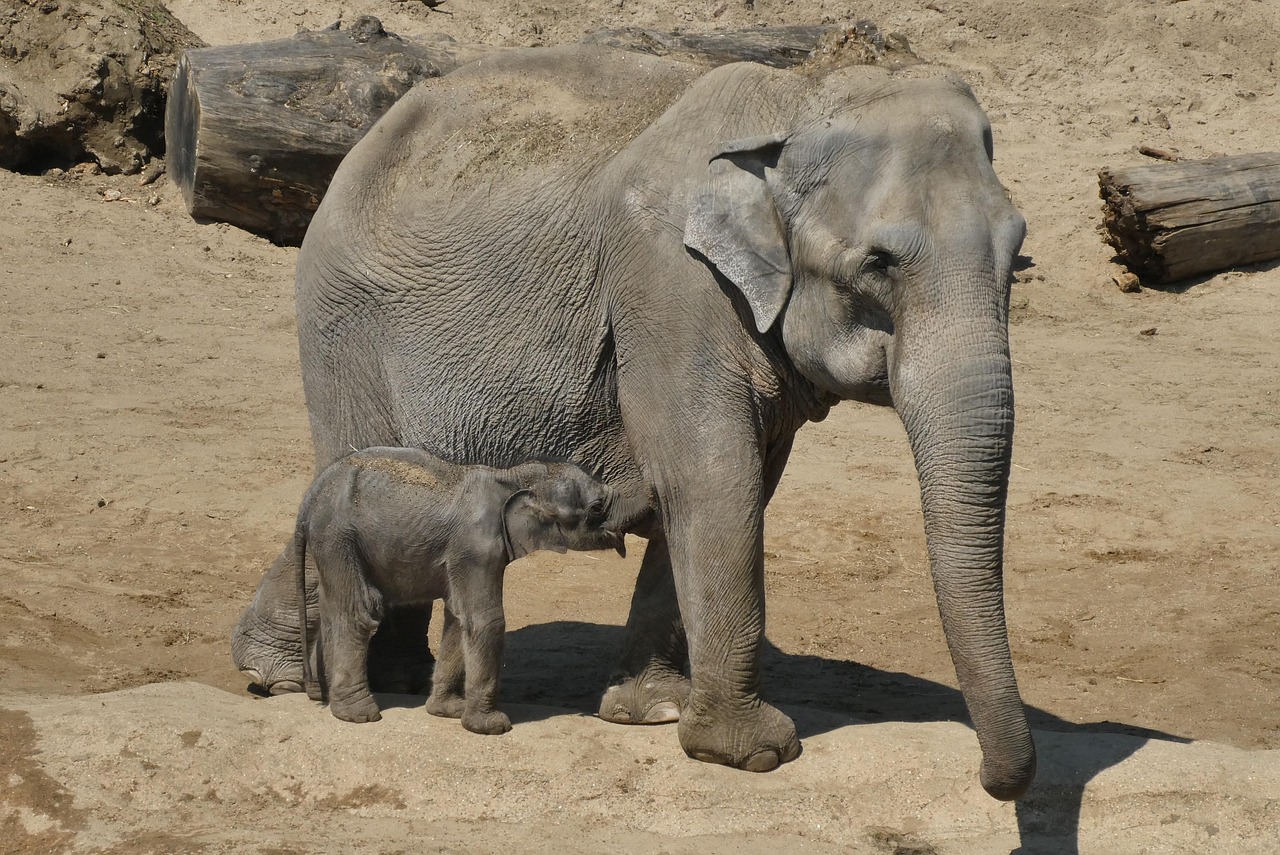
point(1172, 221)
point(254, 132)
point(780, 47)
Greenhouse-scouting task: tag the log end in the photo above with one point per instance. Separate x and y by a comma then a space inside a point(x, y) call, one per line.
point(1126, 229)
point(181, 127)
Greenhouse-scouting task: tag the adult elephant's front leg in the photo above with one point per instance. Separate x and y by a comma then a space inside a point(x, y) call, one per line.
point(649, 686)
point(717, 555)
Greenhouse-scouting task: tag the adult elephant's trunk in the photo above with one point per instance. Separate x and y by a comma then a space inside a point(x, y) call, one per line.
point(953, 389)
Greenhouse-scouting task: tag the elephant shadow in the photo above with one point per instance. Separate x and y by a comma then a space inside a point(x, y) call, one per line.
point(565, 665)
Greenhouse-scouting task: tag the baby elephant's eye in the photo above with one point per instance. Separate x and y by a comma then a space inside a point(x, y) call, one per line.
point(595, 512)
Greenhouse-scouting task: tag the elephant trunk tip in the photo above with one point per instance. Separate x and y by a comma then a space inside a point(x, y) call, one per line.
point(1008, 782)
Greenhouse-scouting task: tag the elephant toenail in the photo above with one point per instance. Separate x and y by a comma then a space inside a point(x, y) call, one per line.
point(663, 713)
point(762, 761)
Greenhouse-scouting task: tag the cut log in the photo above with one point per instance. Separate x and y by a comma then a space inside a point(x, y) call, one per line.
point(254, 132)
point(780, 47)
point(1172, 221)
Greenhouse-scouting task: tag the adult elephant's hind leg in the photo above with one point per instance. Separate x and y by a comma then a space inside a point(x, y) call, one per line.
point(266, 645)
point(648, 685)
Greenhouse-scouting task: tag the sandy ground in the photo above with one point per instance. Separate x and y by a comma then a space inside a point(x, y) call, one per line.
point(155, 445)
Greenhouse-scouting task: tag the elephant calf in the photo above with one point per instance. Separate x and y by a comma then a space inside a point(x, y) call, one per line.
point(397, 526)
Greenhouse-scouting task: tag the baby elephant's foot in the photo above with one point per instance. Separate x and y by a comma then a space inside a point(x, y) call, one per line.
point(446, 706)
point(492, 722)
point(360, 707)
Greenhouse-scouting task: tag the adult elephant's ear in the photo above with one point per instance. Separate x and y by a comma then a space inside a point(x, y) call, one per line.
point(734, 224)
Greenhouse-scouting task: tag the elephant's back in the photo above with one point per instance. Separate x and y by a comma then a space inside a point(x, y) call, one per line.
point(518, 117)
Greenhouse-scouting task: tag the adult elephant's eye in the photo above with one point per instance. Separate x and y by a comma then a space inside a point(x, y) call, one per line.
point(880, 262)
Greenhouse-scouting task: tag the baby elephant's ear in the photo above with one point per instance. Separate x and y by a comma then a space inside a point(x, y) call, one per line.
point(528, 527)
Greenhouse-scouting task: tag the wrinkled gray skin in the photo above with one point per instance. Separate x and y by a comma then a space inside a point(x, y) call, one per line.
point(398, 526)
point(668, 309)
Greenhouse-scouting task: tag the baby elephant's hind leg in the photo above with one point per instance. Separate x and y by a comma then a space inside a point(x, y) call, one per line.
point(350, 610)
point(447, 682)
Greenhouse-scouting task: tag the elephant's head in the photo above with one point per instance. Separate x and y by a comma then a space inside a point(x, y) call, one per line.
point(874, 238)
point(560, 508)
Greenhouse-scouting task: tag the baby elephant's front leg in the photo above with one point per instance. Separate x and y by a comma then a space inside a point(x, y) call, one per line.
point(477, 602)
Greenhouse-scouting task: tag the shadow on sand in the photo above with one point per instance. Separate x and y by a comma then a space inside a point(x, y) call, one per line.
point(565, 664)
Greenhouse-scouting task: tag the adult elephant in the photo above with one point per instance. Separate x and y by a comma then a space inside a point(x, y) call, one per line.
point(661, 274)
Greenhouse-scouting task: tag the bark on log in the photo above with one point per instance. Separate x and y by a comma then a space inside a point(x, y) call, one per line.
point(1172, 221)
point(780, 47)
point(254, 132)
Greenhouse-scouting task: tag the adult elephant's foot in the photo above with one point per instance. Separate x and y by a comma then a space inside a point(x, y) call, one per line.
point(651, 698)
point(758, 738)
point(269, 656)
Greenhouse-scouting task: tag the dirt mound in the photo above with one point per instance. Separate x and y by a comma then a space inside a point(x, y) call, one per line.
point(84, 80)
point(134, 769)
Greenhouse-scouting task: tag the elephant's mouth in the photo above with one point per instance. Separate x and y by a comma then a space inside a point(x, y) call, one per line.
point(616, 540)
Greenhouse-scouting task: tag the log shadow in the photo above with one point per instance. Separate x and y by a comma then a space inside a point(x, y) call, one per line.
point(564, 665)
point(1182, 286)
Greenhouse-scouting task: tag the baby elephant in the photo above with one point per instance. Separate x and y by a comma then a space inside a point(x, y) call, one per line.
point(399, 526)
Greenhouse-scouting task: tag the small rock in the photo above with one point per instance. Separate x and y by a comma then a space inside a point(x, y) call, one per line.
point(65, 241)
point(153, 171)
point(102, 354)
point(1127, 282)
point(112, 196)
point(1149, 331)
point(153, 199)
point(1169, 154)
point(102, 503)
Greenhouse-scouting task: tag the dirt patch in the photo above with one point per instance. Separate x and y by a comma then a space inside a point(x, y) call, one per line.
point(39, 815)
